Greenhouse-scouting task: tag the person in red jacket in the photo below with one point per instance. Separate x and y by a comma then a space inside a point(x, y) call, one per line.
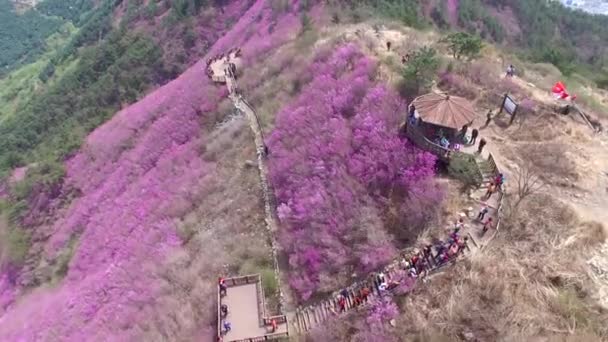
point(222, 286)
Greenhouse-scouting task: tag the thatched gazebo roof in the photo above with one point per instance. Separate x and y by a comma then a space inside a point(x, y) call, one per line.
point(444, 110)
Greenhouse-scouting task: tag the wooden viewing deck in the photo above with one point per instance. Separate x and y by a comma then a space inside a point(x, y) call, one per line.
point(247, 312)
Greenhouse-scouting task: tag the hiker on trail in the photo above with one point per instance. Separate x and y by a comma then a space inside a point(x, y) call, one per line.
point(388, 45)
point(439, 248)
point(510, 70)
point(486, 226)
point(474, 136)
point(459, 224)
point(227, 327)
point(499, 180)
point(463, 244)
point(442, 258)
point(224, 310)
point(427, 251)
point(223, 287)
point(382, 282)
point(482, 213)
point(412, 111)
point(491, 190)
point(482, 143)
point(414, 260)
point(232, 67)
point(463, 131)
point(364, 293)
point(273, 324)
point(342, 303)
point(453, 251)
point(404, 263)
point(422, 268)
point(413, 273)
point(454, 235)
point(344, 293)
point(358, 301)
point(488, 119)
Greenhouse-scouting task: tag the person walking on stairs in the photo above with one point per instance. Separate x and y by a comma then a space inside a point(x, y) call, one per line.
point(222, 286)
point(364, 293)
point(486, 226)
point(342, 304)
point(427, 251)
point(464, 244)
point(382, 285)
point(482, 213)
point(499, 180)
point(491, 190)
point(482, 144)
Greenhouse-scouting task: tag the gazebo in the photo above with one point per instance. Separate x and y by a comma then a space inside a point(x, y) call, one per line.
point(443, 112)
point(437, 122)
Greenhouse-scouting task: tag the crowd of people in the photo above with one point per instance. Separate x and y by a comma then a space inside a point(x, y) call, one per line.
point(223, 289)
point(415, 266)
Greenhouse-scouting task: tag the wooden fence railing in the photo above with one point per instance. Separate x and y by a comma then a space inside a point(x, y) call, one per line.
point(242, 280)
point(263, 320)
point(268, 337)
point(412, 132)
point(261, 302)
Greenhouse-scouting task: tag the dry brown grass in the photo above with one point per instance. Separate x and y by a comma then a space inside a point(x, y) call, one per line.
point(531, 283)
point(552, 161)
point(225, 235)
point(539, 126)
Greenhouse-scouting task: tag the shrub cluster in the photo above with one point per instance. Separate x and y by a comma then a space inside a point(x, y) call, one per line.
point(335, 161)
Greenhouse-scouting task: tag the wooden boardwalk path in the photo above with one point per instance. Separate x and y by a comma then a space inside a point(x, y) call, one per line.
point(303, 319)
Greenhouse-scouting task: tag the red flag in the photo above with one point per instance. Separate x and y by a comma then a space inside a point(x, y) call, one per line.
point(560, 92)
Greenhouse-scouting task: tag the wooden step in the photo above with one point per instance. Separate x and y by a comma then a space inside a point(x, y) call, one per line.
point(299, 322)
point(317, 314)
point(303, 325)
point(308, 320)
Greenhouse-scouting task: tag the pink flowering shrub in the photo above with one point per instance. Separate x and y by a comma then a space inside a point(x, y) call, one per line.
point(376, 327)
point(335, 161)
point(527, 105)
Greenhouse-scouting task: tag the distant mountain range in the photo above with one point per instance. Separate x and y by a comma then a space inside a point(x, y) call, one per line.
point(591, 6)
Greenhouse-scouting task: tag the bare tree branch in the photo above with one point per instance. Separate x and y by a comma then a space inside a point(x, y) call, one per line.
point(528, 182)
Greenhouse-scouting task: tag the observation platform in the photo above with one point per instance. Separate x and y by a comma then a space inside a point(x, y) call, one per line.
point(247, 312)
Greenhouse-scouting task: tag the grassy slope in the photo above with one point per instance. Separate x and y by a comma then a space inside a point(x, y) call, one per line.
point(21, 85)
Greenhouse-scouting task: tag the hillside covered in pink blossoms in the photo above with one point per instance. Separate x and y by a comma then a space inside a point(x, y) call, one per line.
point(336, 164)
point(136, 175)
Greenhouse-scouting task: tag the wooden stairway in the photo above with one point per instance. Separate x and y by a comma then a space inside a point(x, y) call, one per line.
point(312, 316)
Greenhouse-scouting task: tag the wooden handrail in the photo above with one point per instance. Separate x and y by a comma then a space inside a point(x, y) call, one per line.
point(424, 143)
point(278, 318)
point(237, 281)
point(219, 314)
